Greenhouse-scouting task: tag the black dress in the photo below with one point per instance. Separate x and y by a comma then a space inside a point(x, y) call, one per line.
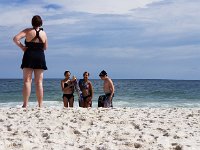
point(34, 56)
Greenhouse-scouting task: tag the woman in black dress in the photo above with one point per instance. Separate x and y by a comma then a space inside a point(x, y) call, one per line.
point(34, 58)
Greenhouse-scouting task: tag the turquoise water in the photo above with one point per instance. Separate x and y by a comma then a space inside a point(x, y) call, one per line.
point(128, 93)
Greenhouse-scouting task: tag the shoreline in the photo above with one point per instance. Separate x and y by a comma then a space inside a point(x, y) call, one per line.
point(117, 104)
point(99, 128)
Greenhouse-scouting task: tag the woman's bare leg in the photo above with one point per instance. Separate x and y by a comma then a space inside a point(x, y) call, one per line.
point(65, 102)
point(81, 103)
point(71, 102)
point(38, 73)
point(27, 77)
point(88, 102)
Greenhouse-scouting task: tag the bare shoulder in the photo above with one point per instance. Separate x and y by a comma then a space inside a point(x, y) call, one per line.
point(31, 30)
point(42, 32)
point(21, 34)
point(109, 80)
point(43, 35)
point(24, 31)
point(28, 30)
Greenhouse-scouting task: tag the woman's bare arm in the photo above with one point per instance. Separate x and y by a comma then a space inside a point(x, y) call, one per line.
point(17, 39)
point(45, 43)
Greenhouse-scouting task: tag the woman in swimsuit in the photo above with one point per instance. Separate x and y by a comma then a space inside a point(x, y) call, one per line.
point(87, 90)
point(67, 86)
point(33, 59)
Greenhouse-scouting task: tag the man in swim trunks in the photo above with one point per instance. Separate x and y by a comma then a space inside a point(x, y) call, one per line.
point(108, 88)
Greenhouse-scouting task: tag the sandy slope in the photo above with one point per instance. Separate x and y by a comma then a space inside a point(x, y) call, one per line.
point(101, 129)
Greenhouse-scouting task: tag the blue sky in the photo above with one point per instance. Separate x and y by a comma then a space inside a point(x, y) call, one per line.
point(134, 39)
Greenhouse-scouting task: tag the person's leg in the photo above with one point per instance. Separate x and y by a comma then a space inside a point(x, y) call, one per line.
point(101, 100)
point(65, 101)
point(84, 102)
point(81, 102)
point(38, 73)
point(88, 102)
point(27, 77)
point(71, 102)
point(107, 102)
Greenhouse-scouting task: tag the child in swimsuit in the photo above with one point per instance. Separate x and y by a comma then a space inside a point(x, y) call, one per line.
point(67, 87)
point(87, 91)
point(108, 88)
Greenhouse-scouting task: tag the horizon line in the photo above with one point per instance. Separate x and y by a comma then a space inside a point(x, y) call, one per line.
point(113, 79)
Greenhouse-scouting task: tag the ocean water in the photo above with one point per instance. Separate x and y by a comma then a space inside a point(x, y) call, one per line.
point(135, 93)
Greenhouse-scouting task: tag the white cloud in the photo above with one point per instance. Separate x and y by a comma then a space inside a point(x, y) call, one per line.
point(61, 21)
point(12, 17)
point(170, 17)
point(135, 32)
point(103, 6)
point(20, 15)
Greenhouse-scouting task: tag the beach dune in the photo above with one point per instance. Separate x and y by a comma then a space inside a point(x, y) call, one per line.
point(99, 128)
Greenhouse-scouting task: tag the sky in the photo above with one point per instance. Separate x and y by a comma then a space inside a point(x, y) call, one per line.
point(130, 39)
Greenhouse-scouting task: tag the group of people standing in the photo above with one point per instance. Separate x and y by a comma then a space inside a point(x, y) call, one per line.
point(84, 86)
point(34, 62)
point(85, 89)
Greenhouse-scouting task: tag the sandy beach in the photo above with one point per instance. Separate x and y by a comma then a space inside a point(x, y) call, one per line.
point(53, 128)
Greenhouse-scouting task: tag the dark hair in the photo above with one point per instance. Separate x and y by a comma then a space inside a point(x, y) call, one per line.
point(85, 73)
point(67, 71)
point(103, 73)
point(36, 21)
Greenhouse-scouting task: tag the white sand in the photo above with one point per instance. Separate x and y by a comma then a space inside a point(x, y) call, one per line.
point(99, 129)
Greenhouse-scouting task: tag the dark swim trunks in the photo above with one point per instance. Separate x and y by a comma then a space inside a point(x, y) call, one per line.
point(107, 102)
point(104, 101)
point(68, 96)
point(85, 97)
